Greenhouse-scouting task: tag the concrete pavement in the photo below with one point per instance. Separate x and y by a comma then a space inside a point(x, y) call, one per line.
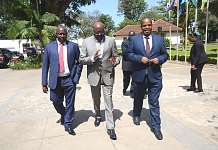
point(189, 120)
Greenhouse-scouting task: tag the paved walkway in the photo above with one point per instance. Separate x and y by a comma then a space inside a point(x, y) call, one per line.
point(189, 120)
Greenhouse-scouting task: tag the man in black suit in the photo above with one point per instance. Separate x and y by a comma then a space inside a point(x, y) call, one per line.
point(127, 67)
point(198, 60)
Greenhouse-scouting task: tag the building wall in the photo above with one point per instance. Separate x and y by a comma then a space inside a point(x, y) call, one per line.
point(13, 45)
point(119, 39)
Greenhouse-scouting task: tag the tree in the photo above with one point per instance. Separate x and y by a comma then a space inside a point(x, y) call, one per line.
point(35, 26)
point(86, 21)
point(66, 10)
point(155, 12)
point(126, 22)
point(108, 23)
point(132, 9)
point(85, 27)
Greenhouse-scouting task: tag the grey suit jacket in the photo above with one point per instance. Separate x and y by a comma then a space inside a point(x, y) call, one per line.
point(101, 67)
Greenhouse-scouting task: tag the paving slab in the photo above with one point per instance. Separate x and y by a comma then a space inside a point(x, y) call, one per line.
point(189, 120)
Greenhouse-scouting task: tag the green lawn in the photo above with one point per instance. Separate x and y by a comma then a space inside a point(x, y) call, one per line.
point(211, 50)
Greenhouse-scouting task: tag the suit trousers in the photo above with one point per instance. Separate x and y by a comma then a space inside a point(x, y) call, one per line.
point(65, 88)
point(154, 90)
point(196, 75)
point(126, 80)
point(96, 96)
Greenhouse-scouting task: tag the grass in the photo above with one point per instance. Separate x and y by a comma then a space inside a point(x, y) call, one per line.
point(211, 50)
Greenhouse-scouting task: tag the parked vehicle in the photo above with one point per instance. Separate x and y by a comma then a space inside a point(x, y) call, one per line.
point(31, 51)
point(17, 54)
point(5, 56)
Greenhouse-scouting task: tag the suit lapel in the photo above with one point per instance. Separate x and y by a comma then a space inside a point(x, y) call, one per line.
point(93, 43)
point(141, 40)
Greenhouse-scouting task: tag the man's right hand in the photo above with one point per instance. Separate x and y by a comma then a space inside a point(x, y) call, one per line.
point(97, 54)
point(145, 60)
point(45, 89)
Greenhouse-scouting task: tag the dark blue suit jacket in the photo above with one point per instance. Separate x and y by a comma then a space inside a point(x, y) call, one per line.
point(51, 63)
point(136, 50)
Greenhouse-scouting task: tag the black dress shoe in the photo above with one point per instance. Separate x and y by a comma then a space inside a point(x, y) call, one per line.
point(136, 121)
point(97, 121)
point(62, 119)
point(70, 131)
point(112, 134)
point(124, 92)
point(191, 89)
point(158, 134)
point(198, 91)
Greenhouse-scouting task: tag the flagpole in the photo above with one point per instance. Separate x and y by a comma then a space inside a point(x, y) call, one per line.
point(177, 32)
point(196, 14)
point(170, 36)
point(205, 45)
point(186, 29)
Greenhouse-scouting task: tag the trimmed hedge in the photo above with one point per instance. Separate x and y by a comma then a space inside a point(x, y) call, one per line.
point(182, 58)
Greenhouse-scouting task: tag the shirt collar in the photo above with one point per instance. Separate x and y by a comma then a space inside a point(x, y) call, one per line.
point(101, 42)
point(149, 37)
point(60, 43)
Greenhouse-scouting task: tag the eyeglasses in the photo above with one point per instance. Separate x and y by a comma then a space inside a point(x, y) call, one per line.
point(99, 33)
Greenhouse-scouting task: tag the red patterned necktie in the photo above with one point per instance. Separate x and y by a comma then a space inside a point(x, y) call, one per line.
point(147, 46)
point(61, 58)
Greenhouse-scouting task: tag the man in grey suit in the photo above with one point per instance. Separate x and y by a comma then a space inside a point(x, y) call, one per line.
point(99, 53)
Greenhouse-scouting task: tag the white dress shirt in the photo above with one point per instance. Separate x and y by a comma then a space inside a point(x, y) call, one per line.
point(66, 71)
point(149, 41)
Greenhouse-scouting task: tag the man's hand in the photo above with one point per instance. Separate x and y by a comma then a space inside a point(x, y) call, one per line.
point(193, 67)
point(97, 54)
point(45, 89)
point(154, 61)
point(112, 59)
point(145, 60)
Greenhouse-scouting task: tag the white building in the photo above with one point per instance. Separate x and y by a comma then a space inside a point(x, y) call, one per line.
point(15, 45)
point(165, 32)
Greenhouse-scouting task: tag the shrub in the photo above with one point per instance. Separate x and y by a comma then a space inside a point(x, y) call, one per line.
point(29, 63)
point(167, 42)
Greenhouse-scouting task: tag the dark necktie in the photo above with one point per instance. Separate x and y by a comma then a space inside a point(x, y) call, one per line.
point(147, 46)
point(61, 58)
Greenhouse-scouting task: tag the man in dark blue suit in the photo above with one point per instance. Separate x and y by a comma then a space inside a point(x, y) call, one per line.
point(61, 59)
point(147, 52)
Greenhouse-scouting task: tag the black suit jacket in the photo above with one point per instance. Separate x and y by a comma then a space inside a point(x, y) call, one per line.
point(197, 53)
point(126, 65)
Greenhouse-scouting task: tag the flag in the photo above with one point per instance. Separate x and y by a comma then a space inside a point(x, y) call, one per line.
point(195, 3)
point(182, 5)
point(172, 4)
point(202, 5)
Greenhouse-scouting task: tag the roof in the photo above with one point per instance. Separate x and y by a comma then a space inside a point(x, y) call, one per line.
point(165, 28)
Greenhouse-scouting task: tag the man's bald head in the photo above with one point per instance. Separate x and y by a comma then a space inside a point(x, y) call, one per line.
point(98, 29)
point(98, 25)
point(61, 34)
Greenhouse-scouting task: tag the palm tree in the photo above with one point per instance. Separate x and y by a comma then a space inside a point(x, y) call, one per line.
point(36, 27)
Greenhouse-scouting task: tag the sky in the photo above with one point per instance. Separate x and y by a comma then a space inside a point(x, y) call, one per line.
point(110, 7)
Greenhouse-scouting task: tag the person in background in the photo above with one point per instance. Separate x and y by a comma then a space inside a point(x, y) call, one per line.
point(147, 51)
point(127, 67)
point(198, 59)
point(61, 59)
point(99, 53)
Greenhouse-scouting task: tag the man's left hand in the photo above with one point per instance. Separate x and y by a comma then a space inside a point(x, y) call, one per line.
point(155, 61)
point(112, 59)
